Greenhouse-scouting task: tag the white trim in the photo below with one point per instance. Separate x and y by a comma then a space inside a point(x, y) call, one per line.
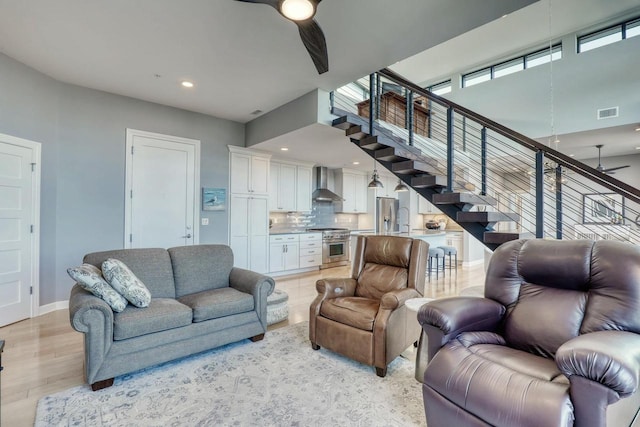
point(36, 157)
point(131, 133)
point(54, 306)
point(250, 151)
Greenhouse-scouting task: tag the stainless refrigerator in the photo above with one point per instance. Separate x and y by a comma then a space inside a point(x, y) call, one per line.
point(387, 215)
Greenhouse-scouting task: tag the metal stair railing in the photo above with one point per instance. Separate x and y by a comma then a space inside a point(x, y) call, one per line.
point(554, 195)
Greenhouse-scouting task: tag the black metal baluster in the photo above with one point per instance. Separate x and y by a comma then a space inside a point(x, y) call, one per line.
point(559, 202)
point(450, 150)
point(539, 194)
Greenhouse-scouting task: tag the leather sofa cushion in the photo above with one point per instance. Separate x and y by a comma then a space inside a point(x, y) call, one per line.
point(357, 312)
point(200, 268)
point(160, 315)
point(558, 314)
point(217, 303)
point(152, 266)
point(382, 250)
point(473, 377)
point(375, 280)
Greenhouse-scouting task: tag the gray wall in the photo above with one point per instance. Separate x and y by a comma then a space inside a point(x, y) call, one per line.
point(82, 132)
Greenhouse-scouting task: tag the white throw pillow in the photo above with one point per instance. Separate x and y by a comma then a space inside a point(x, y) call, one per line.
point(90, 278)
point(124, 281)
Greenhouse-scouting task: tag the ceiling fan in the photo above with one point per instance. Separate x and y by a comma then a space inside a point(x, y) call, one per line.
point(609, 171)
point(301, 13)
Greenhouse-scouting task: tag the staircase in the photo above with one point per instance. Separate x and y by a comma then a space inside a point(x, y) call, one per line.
point(450, 166)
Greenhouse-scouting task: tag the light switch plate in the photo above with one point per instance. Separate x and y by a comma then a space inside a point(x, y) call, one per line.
point(205, 221)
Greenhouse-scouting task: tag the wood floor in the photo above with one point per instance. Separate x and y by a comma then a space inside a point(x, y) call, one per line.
point(44, 355)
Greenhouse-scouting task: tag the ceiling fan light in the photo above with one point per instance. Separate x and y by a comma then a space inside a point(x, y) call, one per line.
point(297, 10)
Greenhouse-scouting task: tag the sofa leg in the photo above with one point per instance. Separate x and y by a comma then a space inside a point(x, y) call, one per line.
point(257, 338)
point(99, 385)
point(381, 372)
point(315, 346)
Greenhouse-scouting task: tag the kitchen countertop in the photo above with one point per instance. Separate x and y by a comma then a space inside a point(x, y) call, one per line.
point(414, 232)
point(275, 233)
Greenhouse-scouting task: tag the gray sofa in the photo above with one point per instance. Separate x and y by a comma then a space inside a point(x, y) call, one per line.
point(199, 301)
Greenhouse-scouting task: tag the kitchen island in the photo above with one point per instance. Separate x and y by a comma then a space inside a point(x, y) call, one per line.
point(435, 238)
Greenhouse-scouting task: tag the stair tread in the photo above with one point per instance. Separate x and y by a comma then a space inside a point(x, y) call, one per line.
point(485, 216)
point(411, 167)
point(463, 198)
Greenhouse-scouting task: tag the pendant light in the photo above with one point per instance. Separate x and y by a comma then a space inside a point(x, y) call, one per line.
point(400, 187)
point(375, 181)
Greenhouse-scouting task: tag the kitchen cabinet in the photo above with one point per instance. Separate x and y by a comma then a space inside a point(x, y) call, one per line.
point(304, 188)
point(290, 189)
point(249, 231)
point(310, 250)
point(426, 207)
point(353, 188)
point(456, 240)
point(284, 252)
point(249, 208)
point(249, 172)
point(389, 184)
point(282, 197)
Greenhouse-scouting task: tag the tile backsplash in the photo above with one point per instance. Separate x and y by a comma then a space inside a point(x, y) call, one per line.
point(322, 215)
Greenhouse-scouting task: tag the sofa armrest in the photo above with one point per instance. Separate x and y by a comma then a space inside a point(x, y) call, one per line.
point(394, 299)
point(93, 317)
point(256, 284)
point(249, 281)
point(444, 319)
point(82, 302)
point(611, 358)
point(336, 287)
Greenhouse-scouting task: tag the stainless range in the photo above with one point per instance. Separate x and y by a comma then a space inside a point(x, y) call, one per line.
point(335, 246)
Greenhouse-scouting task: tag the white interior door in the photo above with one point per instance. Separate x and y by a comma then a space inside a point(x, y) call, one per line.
point(162, 196)
point(19, 205)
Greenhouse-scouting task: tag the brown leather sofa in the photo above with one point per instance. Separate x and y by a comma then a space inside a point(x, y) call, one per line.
point(364, 317)
point(553, 343)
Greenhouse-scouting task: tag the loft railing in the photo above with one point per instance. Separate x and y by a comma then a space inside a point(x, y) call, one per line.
point(553, 194)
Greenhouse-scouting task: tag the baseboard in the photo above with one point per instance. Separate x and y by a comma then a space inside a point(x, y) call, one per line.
point(54, 306)
point(466, 264)
point(290, 272)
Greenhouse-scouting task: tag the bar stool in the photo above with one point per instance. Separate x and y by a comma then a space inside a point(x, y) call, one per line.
point(449, 251)
point(438, 254)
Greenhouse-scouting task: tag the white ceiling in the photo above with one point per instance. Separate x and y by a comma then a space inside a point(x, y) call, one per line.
point(242, 57)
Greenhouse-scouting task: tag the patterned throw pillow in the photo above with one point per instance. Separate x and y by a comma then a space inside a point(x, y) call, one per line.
point(90, 278)
point(124, 281)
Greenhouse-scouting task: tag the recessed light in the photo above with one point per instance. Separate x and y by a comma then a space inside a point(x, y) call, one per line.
point(356, 163)
point(256, 112)
point(571, 155)
point(284, 149)
point(637, 148)
point(187, 83)
point(638, 128)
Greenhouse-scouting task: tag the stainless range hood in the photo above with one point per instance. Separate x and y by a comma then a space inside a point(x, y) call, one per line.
point(322, 194)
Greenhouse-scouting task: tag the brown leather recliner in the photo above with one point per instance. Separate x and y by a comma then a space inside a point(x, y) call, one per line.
point(364, 317)
point(554, 342)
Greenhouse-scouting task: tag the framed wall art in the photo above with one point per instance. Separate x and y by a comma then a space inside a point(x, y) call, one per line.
point(602, 208)
point(214, 199)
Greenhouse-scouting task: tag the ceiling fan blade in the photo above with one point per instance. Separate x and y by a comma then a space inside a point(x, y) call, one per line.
point(609, 170)
point(313, 39)
point(273, 3)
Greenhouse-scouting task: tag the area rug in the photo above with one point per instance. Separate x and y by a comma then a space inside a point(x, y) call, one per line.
point(279, 381)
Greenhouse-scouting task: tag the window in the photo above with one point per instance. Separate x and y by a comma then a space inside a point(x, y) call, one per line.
point(632, 29)
point(514, 65)
point(542, 56)
point(609, 35)
point(476, 77)
point(508, 67)
point(440, 88)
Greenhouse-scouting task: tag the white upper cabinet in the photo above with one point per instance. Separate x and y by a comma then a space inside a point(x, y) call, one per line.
point(425, 207)
point(389, 182)
point(290, 189)
point(249, 172)
point(352, 187)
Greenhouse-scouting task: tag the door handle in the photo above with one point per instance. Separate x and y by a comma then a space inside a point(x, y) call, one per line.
point(188, 236)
